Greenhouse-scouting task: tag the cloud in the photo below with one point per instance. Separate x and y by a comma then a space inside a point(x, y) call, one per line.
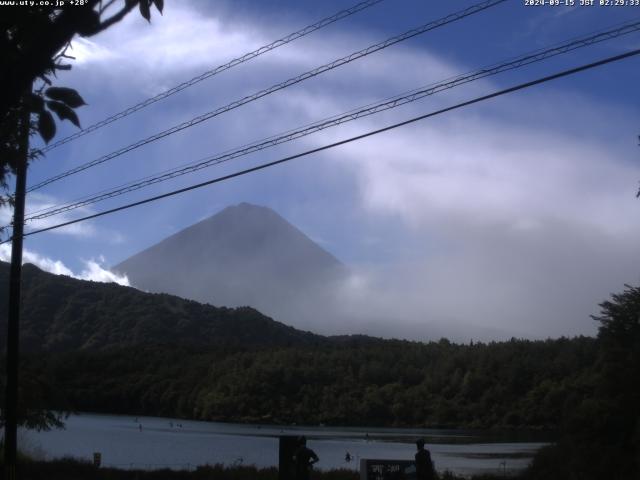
point(36, 202)
point(93, 270)
point(519, 224)
point(48, 265)
point(179, 42)
point(523, 228)
point(494, 279)
point(490, 172)
point(512, 217)
point(87, 51)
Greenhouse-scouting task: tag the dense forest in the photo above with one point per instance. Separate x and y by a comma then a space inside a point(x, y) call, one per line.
point(511, 384)
point(106, 348)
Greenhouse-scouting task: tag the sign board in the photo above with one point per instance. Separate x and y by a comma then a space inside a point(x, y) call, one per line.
point(288, 446)
point(371, 469)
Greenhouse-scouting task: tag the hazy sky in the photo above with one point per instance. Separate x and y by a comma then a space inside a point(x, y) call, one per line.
point(516, 216)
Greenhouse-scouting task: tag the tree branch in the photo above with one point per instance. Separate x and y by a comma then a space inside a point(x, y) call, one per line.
point(104, 9)
point(115, 18)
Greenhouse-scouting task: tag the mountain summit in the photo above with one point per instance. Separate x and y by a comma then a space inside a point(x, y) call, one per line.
point(245, 255)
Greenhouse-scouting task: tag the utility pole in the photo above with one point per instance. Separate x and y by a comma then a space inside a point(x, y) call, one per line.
point(13, 323)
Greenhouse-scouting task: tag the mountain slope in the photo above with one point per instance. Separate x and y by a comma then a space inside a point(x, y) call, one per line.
point(243, 255)
point(60, 313)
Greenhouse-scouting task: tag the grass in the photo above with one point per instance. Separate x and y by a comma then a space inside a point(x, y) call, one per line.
point(73, 469)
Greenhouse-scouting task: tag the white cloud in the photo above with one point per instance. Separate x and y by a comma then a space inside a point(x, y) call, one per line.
point(181, 40)
point(93, 270)
point(492, 173)
point(524, 228)
point(48, 265)
point(87, 51)
point(526, 223)
point(36, 202)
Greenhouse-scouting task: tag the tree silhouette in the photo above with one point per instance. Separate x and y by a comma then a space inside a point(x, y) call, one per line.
point(33, 43)
point(33, 46)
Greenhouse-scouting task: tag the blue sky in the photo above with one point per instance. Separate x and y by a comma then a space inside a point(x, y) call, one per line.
point(516, 216)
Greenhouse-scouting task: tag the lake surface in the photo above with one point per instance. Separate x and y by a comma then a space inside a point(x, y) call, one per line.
point(151, 442)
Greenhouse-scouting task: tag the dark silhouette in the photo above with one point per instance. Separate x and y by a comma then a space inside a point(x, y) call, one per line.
point(304, 459)
point(34, 40)
point(347, 457)
point(424, 465)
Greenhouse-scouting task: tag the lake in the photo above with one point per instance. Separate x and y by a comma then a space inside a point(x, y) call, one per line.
point(151, 442)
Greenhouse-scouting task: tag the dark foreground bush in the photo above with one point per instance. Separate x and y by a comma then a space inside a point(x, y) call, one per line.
point(72, 469)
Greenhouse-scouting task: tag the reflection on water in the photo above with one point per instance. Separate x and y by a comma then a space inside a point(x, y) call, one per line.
point(150, 442)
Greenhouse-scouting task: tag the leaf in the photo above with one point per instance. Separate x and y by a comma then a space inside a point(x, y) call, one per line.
point(64, 112)
point(144, 9)
point(89, 24)
point(66, 95)
point(46, 126)
point(159, 5)
point(36, 103)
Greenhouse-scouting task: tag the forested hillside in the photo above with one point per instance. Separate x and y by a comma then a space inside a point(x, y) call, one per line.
point(510, 384)
point(106, 348)
point(60, 313)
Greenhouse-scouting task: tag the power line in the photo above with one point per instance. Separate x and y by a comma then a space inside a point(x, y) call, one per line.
point(343, 142)
point(219, 69)
point(371, 109)
point(274, 88)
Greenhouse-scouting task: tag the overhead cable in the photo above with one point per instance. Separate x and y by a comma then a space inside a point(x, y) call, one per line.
point(371, 109)
point(263, 166)
point(219, 69)
point(274, 88)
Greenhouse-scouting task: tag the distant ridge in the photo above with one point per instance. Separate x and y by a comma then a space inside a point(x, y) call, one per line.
point(243, 255)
